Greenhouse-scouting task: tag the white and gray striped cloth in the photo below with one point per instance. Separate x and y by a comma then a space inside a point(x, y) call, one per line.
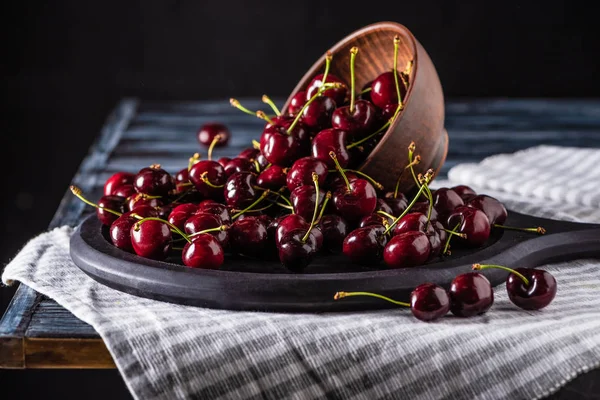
point(167, 351)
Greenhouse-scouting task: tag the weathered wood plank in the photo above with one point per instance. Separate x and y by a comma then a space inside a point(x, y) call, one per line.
point(66, 353)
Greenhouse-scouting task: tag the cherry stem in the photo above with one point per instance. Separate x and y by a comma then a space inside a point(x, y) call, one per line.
point(217, 229)
point(340, 169)
point(341, 295)
point(426, 179)
point(193, 160)
point(353, 52)
point(327, 198)
point(240, 107)
point(213, 144)
point(477, 267)
point(538, 229)
point(315, 179)
point(398, 183)
point(177, 248)
point(261, 114)
point(266, 99)
point(136, 227)
point(255, 144)
point(322, 89)
point(254, 204)
point(77, 192)
point(372, 135)
point(447, 245)
point(396, 45)
point(367, 90)
point(328, 57)
point(411, 163)
point(390, 216)
point(204, 178)
point(462, 235)
point(367, 177)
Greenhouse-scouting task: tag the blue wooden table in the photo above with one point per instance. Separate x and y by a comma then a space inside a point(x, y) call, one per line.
point(35, 332)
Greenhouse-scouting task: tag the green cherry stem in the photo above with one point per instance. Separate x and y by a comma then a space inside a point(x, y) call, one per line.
point(411, 164)
point(340, 169)
point(315, 179)
point(367, 90)
point(341, 295)
point(193, 160)
point(426, 179)
point(261, 114)
point(240, 107)
point(327, 198)
point(390, 216)
point(367, 177)
point(214, 142)
point(478, 267)
point(217, 229)
point(319, 92)
point(78, 193)
point(372, 135)
point(538, 229)
point(267, 100)
point(396, 45)
point(328, 58)
point(255, 144)
point(136, 226)
point(447, 245)
point(353, 52)
point(461, 235)
point(254, 204)
point(204, 178)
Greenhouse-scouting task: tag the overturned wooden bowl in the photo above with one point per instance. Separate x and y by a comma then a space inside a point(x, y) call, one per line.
point(422, 119)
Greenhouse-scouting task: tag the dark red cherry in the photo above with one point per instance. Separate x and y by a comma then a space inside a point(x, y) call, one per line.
point(115, 203)
point(492, 208)
point(465, 192)
point(303, 201)
point(437, 239)
point(365, 245)
point(337, 94)
point(248, 236)
point(414, 221)
point(164, 211)
point(189, 208)
point(181, 213)
point(124, 191)
point(472, 222)
point(538, 294)
point(117, 180)
point(383, 206)
point(301, 172)
point(331, 140)
point(294, 252)
point(383, 90)
point(282, 148)
point(218, 209)
point(153, 181)
point(373, 219)
point(335, 181)
point(211, 171)
point(249, 153)
point(423, 208)
point(239, 164)
point(120, 229)
point(209, 131)
point(317, 115)
point(140, 199)
point(470, 294)
point(334, 229)
point(358, 122)
point(273, 178)
point(239, 190)
point(262, 162)
point(289, 223)
point(445, 201)
point(398, 204)
point(406, 250)
point(151, 239)
point(355, 202)
point(297, 102)
point(429, 302)
point(223, 161)
point(204, 251)
point(182, 178)
point(366, 95)
point(202, 221)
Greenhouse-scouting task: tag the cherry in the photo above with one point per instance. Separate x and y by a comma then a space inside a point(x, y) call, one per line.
point(397, 202)
point(365, 92)
point(292, 222)
point(334, 229)
point(218, 209)
point(141, 199)
point(424, 208)
point(280, 147)
point(210, 131)
point(384, 207)
point(372, 220)
point(182, 180)
point(528, 288)
point(204, 251)
point(153, 181)
point(117, 180)
point(406, 250)
point(470, 294)
point(297, 102)
point(108, 209)
point(248, 236)
point(357, 199)
point(208, 178)
point(465, 192)
point(437, 239)
point(203, 221)
point(273, 178)
point(120, 229)
point(317, 114)
point(471, 222)
point(224, 160)
point(383, 91)
point(238, 164)
point(338, 94)
point(493, 209)
point(301, 172)
point(151, 238)
point(365, 245)
point(249, 154)
point(179, 214)
point(239, 189)
point(445, 201)
point(329, 140)
point(303, 200)
point(414, 221)
point(336, 181)
point(297, 249)
point(124, 191)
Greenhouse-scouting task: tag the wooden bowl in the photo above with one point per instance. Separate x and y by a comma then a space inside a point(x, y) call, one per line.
point(422, 119)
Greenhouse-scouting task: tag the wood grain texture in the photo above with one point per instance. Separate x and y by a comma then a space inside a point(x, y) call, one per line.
point(422, 119)
point(66, 353)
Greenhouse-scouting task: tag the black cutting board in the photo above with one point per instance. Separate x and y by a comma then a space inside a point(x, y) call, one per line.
point(258, 285)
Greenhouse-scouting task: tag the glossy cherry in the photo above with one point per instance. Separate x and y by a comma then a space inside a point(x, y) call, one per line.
point(124, 191)
point(334, 229)
point(445, 200)
point(273, 178)
point(317, 115)
point(218, 209)
point(397, 202)
point(329, 140)
point(365, 245)
point(437, 239)
point(373, 219)
point(355, 201)
point(151, 239)
point(209, 131)
point(248, 236)
point(204, 251)
point(294, 222)
point(154, 181)
point(465, 192)
point(297, 102)
point(120, 229)
point(282, 144)
point(239, 164)
point(383, 90)
point(208, 178)
point(492, 208)
point(117, 180)
point(240, 190)
point(140, 199)
point(337, 94)
point(297, 249)
point(303, 200)
point(472, 222)
point(249, 153)
point(114, 203)
point(202, 221)
point(357, 122)
point(383, 206)
point(470, 294)
point(406, 250)
point(301, 172)
point(423, 208)
point(429, 302)
point(223, 161)
point(414, 221)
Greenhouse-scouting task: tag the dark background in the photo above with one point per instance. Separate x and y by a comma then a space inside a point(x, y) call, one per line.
point(66, 64)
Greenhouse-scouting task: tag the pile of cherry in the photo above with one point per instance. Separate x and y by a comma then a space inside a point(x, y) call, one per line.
point(295, 195)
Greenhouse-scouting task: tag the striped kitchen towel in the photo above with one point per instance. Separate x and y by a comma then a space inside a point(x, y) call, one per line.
point(167, 351)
